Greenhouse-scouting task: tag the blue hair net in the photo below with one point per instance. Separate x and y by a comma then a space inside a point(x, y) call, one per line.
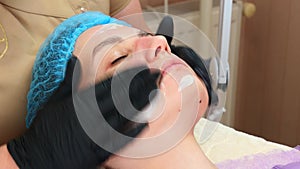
point(51, 61)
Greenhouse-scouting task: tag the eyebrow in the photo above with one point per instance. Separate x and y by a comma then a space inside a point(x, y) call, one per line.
point(115, 39)
point(108, 41)
point(144, 33)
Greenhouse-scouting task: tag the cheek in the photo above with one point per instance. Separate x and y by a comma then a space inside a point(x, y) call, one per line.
point(91, 73)
point(203, 102)
point(105, 68)
point(166, 111)
point(168, 85)
point(171, 89)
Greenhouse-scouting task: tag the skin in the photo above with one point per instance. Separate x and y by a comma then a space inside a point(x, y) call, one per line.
point(135, 50)
point(6, 161)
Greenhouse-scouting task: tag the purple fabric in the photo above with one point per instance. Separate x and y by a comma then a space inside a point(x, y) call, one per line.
point(294, 165)
point(277, 158)
point(298, 147)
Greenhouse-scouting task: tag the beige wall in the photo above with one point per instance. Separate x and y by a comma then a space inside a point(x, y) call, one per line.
point(155, 3)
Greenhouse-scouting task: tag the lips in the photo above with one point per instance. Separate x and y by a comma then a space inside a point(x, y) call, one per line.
point(168, 65)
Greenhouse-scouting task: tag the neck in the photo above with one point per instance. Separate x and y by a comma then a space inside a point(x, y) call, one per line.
point(187, 154)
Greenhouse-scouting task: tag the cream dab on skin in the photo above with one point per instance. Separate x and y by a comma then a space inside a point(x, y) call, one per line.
point(185, 82)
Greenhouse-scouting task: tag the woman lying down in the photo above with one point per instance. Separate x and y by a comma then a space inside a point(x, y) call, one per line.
point(150, 99)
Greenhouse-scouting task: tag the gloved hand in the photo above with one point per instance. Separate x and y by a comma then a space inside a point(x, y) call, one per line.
point(166, 28)
point(56, 140)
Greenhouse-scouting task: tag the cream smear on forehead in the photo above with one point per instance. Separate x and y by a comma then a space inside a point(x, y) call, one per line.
point(107, 27)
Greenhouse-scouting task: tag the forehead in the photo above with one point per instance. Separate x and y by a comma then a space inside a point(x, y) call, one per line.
point(100, 33)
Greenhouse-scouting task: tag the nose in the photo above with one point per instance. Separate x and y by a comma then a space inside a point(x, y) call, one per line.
point(151, 46)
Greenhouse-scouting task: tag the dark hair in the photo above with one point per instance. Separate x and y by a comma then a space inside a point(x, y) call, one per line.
point(196, 63)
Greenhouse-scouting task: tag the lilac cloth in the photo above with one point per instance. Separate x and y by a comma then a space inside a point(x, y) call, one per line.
point(276, 158)
point(293, 165)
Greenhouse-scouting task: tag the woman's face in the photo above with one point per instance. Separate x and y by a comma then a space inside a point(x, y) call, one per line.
point(105, 49)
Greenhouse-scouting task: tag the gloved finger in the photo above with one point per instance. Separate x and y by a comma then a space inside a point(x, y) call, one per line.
point(132, 133)
point(138, 90)
point(121, 123)
point(166, 28)
point(139, 99)
point(133, 129)
point(72, 77)
point(143, 87)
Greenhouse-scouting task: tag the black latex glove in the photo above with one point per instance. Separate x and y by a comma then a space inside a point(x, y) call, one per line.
point(56, 140)
point(166, 28)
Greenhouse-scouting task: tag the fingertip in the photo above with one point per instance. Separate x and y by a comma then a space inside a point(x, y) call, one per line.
point(156, 75)
point(136, 129)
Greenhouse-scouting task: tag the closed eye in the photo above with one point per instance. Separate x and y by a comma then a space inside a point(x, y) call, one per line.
point(118, 59)
point(143, 33)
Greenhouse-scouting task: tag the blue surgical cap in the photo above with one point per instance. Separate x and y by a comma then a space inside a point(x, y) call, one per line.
point(51, 61)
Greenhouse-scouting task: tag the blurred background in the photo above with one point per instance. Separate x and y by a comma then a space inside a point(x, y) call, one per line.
point(263, 96)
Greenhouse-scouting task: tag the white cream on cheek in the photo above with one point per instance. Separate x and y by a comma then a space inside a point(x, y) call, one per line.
point(185, 82)
point(156, 107)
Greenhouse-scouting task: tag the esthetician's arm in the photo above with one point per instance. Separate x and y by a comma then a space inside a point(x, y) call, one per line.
point(132, 14)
